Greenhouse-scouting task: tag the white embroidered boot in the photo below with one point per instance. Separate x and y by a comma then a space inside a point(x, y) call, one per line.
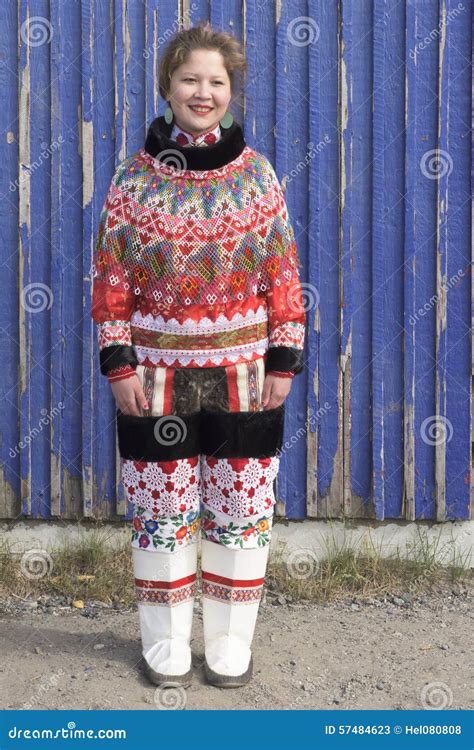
point(166, 584)
point(232, 585)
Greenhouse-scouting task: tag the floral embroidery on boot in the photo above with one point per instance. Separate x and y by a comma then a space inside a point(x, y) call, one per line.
point(151, 531)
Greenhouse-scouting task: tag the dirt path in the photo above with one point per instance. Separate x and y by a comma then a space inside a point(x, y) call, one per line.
point(370, 655)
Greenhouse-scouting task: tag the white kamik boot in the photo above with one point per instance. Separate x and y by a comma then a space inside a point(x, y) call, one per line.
point(232, 585)
point(165, 583)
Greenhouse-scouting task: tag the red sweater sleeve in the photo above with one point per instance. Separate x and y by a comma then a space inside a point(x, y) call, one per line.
point(286, 313)
point(113, 296)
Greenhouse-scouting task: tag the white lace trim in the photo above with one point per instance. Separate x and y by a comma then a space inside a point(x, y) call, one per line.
point(234, 355)
point(190, 326)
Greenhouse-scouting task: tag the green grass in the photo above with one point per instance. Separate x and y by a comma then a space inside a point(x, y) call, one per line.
point(93, 569)
point(362, 571)
point(109, 568)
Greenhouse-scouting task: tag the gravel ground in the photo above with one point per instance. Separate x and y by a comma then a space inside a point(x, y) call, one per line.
point(389, 653)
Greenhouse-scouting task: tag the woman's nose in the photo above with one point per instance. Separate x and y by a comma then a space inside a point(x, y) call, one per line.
point(203, 93)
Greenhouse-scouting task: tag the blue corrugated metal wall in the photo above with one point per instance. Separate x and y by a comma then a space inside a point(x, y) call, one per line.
point(363, 106)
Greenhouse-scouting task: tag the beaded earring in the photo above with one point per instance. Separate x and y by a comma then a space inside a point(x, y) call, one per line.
point(226, 121)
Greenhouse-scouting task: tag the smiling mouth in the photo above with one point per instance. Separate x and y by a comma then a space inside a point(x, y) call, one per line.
point(202, 110)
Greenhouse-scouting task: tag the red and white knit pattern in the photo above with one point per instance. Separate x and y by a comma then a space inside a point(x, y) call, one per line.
point(114, 332)
point(165, 487)
point(239, 487)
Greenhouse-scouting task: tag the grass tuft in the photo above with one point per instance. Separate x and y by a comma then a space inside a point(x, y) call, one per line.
point(95, 569)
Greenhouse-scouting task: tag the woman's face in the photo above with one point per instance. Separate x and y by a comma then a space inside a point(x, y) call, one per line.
point(201, 80)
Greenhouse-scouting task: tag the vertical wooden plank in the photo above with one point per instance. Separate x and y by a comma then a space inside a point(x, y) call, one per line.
point(346, 288)
point(420, 252)
point(193, 11)
point(36, 297)
point(356, 281)
point(391, 183)
point(132, 84)
point(325, 484)
point(259, 118)
point(453, 377)
point(121, 54)
point(10, 448)
point(162, 23)
point(98, 165)
point(150, 61)
point(445, 428)
point(66, 264)
point(91, 380)
point(378, 252)
point(319, 142)
point(293, 36)
point(24, 270)
point(346, 241)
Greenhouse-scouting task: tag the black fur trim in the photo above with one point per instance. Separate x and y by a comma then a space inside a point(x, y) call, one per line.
point(239, 434)
point(143, 439)
point(115, 356)
point(229, 146)
point(284, 359)
point(242, 434)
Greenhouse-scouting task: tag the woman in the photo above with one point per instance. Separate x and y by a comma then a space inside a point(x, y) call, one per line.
point(201, 327)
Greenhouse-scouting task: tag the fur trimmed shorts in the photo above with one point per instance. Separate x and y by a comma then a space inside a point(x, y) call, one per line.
point(204, 456)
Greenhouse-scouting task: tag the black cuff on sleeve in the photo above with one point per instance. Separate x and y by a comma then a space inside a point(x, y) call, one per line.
point(116, 355)
point(284, 359)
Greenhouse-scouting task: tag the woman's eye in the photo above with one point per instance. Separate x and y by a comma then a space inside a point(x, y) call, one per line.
point(192, 79)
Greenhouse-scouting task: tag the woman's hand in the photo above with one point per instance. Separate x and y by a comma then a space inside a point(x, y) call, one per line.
point(129, 396)
point(275, 390)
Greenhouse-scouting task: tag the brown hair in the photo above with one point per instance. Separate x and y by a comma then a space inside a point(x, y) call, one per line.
point(201, 36)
